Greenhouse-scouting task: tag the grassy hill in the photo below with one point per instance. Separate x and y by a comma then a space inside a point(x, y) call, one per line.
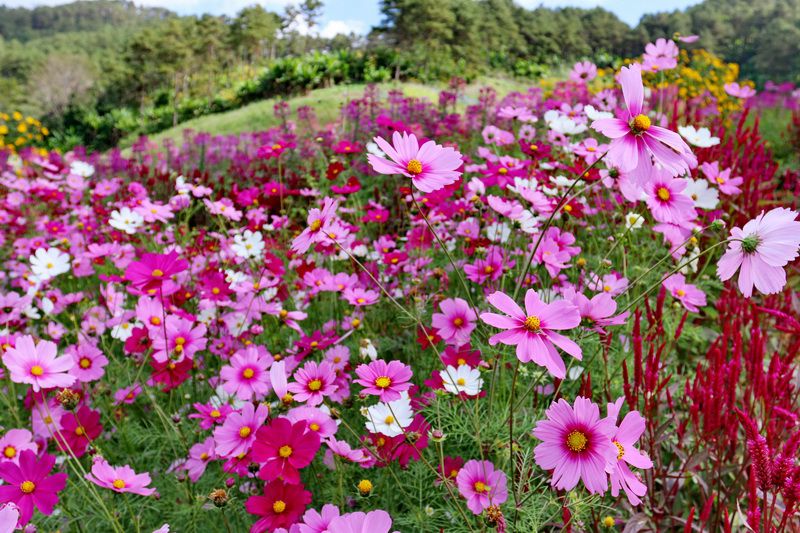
point(327, 102)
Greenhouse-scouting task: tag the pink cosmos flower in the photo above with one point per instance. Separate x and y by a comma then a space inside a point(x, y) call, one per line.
point(89, 362)
point(318, 221)
point(636, 140)
point(247, 375)
point(238, 433)
point(200, 455)
point(372, 522)
point(665, 198)
point(583, 71)
point(280, 506)
point(182, 340)
point(149, 273)
point(533, 331)
point(739, 91)
point(456, 321)
point(318, 522)
point(661, 55)
point(481, 485)
point(431, 167)
point(313, 382)
point(119, 478)
point(360, 297)
point(384, 380)
point(624, 438)
point(576, 445)
point(689, 295)
point(317, 420)
point(613, 284)
point(722, 178)
point(29, 484)
point(127, 395)
point(38, 365)
point(9, 517)
point(14, 442)
point(597, 312)
point(762, 248)
point(283, 448)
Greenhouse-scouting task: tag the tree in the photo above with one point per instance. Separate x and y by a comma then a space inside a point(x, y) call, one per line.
point(254, 33)
point(60, 81)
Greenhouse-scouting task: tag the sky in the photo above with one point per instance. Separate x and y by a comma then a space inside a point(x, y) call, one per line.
point(344, 16)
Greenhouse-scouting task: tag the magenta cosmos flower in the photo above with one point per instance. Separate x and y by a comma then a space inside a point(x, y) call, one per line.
point(313, 383)
point(38, 365)
point(481, 485)
point(247, 375)
point(183, 339)
point(532, 331)
point(456, 321)
point(384, 380)
point(318, 221)
point(149, 273)
point(119, 478)
point(624, 438)
point(14, 442)
point(689, 295)
point(576, 445)
point(761, 249)
point(280, 506)
point(282, 448)
point(636, 139)
point(431, 167)
point(29, 485)
point(236, 435)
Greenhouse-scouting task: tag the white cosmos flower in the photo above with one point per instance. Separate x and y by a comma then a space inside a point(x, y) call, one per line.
point(704, 197)
point(367, 350)
point(462, 379)
point(567, 126)
point(49, 263)
point(374, 150)
point(126, 220)
point(248, 244)
point(698, 137)
point(124, 330)
point(633, 221)
point(498, 231)
point(81, 168)
point(594, 114)
point(390, 418)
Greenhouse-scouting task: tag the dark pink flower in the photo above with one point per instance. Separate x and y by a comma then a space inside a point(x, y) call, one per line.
point(283, 448)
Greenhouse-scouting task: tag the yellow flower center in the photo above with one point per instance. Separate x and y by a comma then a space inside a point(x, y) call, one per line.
point(118, 484)
point(285, 451)
point(85, 362)
point(577, 441)
point(79, 431)
point(248, 373)
point(414, 167)
point(279, 506)
point(180, 341)
point(488, 269)
point(481, 487)
point(389, 420)
point(533, 148)
point(215, 413)
point(316, 225)
point(620, 450)
point(591, 149)
point(383, 382)
point(641, 123)
point(533, 323)
point(663, 193)
point(155, 321)
point(680, 292)
point(315, 384)
point(10, 452)
point(37, 370)
point(502, 171)
point(314, 426)
point(720, 180)
point(245, 432)
point(608, 521)
point(27, 487)
point(458, 322)
point(215, 290)
point(461, 381)
point(568, 208)
point(365, 486)
point(157, 273)
point(607, 288)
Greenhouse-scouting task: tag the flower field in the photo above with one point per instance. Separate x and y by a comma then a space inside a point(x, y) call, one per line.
point(571, 309)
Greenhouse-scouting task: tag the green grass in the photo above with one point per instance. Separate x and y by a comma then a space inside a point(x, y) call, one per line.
point(327, 102)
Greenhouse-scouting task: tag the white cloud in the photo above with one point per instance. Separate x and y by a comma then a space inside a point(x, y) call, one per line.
point(335, 27)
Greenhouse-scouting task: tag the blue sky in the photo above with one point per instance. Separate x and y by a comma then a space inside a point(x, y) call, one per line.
point(360, 15)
